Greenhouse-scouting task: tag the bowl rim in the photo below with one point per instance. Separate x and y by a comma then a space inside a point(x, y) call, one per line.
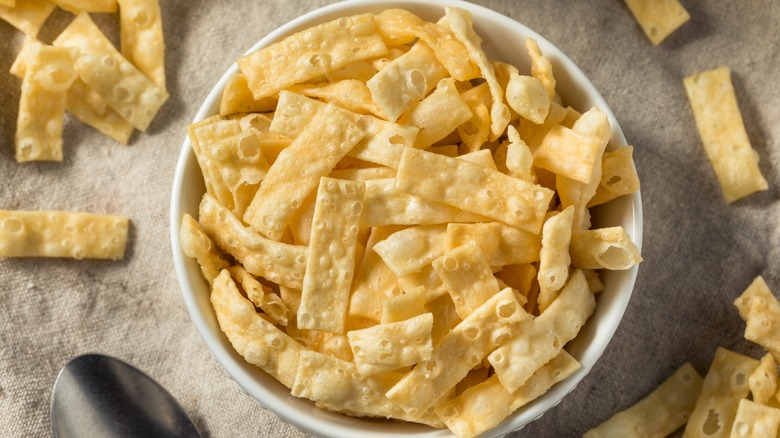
point(261, 394)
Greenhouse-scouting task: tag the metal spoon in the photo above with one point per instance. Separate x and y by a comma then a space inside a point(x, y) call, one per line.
point(101, 396)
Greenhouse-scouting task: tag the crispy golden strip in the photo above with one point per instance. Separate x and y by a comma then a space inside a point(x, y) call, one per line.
point(279, 262)
point(42, 104)
point(311, 53)
point(255, 339)
point(27, 15)
point(390, 346)
point(502, 245)
point(141, 37)
point(489, 326)
point(236, 98)
point(196, 244)
point(330, 264)
point(484, 406)
point(473, 188)
point(723, 134)
point(725, 384)
point(658, 18)
point(128, 91)
point(375, 280)
point(62, 234)
point(662, 412)
point(465, 273)
point(516, 361)
point(299, 167)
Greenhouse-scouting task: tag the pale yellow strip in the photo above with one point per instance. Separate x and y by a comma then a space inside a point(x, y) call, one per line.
point(27, 15)
point(141, 37)
point(62, 234)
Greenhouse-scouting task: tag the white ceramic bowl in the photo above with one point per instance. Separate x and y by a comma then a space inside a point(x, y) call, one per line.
point(503, 40)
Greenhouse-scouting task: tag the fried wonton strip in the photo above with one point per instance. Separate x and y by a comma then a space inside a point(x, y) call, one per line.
point(533, 134)
point(502, 245)
point(593, 123)
point(87, 106)
point(489, 326)
point(77, 6)
point(141, 37)
point(484, 406)
point(358, 70)
point(603, 248)
point(406, 80)
point(725, 384)
point(203, 134)
point(124, 88)
point(405, 306)
point(27, 15)
point(723, 135)
point(541, 68)
point(337, 385)
point(408, 251)
point(473, 188)
point(375, 281)
point(758, 289)
point(255, 339)
point(755, 420)
point(387, 347)
point(62, 234)
point(385, 205)
point(80, 100)
point(528, 97)
point(262, 296)
point(279, 262)
point(763, 325)
point(350, 94)
point(236, 98)
point(398, 27)
point(662, 412)
point(437, 115)
point(298, 169)
point(311, 53)
point(568, 153)
point(467, 276)
point(554, 256)
point(461, 23)
point(196, 244)
point(427, 279)
point(516, 361)
point(763, 382)
point(658, 18)
point(42, 104)
point(618, 176)
point(331, 261)
point(519, 159)
point(383, 143)
point(240, 165)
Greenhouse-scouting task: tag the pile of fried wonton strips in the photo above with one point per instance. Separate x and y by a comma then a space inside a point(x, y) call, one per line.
point(397, 226)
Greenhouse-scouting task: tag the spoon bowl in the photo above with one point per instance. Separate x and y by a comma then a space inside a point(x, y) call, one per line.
point(96, 395)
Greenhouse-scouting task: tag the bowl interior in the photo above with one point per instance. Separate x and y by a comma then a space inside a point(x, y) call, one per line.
point(503, 39)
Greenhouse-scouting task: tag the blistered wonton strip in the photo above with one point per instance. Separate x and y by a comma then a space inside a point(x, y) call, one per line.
point(62, 234)
point(236, 98)
point(42, 104)
point(723, 134)
point(487, 404)
point(279, 262)
point(27, 15)
point(337, 385)
point(390, 346)
point(330, 264)
point(658, 18)
point(491, 325)
point(80, 100)
point(196, 244)
point(254, 338)
point(299, 167)
point(502, 245)
point(516, 361)
point(725, 384)
point(385, 205)
point(311, 53)
point(375, 280)
point(141, 37)
point(128, 91)
point(467, 276)
point(603, 248)
point(473, 188)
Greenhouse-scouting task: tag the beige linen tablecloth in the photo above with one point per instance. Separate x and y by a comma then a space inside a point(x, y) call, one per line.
point(699, 252)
